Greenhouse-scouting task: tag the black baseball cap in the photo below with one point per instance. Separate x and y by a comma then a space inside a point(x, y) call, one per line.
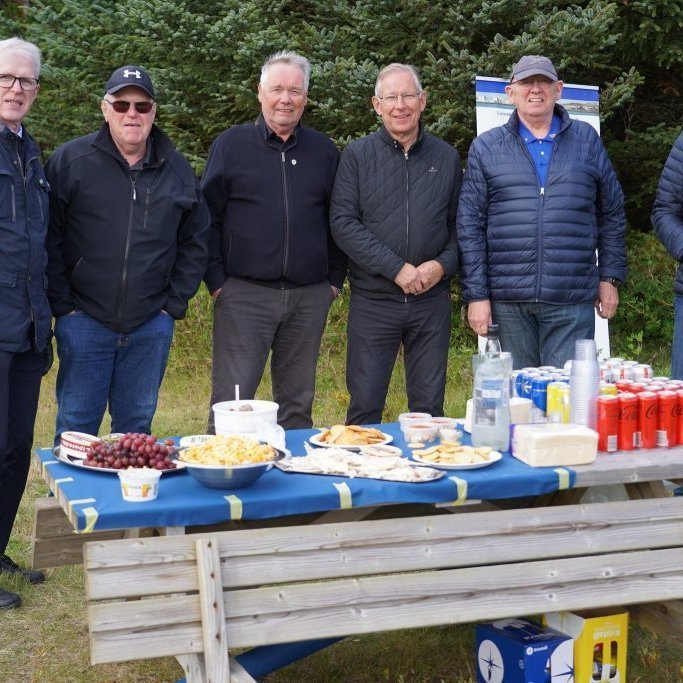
point(127, 76)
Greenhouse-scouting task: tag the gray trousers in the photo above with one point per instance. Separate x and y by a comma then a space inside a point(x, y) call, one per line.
point(249, 322)
point(376, 330)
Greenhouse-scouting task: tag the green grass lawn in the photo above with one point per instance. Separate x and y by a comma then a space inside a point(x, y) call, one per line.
point(47, 640)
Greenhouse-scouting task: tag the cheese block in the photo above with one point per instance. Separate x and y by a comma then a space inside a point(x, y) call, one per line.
point(554, 445)
point(520, 412)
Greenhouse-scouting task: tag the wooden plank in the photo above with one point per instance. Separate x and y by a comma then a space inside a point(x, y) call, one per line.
point(213, 615)
point(329, 551)
point(238, 674)
point(665, 619)
point(630, 467)
point(193, 667)
point(646, 489)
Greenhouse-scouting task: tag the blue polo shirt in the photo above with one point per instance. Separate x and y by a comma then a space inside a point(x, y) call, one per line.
point(541, 149)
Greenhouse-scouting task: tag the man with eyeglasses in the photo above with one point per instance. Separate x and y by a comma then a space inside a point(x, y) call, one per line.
point(273, 268)
point(539, 198)
point(127, 245)
point(393, 213)
point(24, 308)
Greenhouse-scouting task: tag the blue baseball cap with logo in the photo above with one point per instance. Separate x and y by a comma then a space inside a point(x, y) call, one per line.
point(533, 65)
point(127, 76)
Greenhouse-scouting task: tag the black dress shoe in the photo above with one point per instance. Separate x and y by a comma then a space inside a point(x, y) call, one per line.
point(8, 566)
point(9, 600)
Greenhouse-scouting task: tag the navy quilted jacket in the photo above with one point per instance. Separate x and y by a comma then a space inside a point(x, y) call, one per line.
point(667, 215)
point(522, 242)
point(389, 208)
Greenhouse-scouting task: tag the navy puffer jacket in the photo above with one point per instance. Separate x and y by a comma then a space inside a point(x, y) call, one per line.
point(667, 215)
point(522, 242)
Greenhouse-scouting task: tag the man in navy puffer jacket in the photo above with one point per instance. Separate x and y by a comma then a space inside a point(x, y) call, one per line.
point(539, 198)
point(667, 218)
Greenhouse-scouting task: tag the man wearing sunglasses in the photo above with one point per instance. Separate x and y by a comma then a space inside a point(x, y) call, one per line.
point(127, 246)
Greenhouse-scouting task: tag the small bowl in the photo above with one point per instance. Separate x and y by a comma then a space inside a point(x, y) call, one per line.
point(76, 444)
point(229, 476)
point(405, 418)
point(139, 484)
point(419, 431)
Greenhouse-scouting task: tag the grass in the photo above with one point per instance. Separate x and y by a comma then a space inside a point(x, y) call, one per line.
point(47, 639)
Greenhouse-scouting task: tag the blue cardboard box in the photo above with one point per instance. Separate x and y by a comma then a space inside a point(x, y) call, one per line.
point(523, 651)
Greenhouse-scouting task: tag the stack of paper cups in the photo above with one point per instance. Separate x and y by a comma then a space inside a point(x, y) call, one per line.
point(584, 384)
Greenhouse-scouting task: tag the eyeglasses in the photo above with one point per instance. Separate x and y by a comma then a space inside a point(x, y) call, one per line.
point(7, 81)
point(122, 106)
point(408, 99)
point(533, 82)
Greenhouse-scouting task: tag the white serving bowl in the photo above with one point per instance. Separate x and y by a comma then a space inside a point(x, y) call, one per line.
point(230, 417)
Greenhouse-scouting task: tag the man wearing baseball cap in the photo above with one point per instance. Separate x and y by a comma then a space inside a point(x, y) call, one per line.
point(539, 197)
point(127, 246)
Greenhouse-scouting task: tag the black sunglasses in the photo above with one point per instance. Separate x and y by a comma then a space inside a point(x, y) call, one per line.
point(122, 106)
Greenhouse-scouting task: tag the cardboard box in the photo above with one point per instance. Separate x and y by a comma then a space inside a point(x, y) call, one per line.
point(523, 651)
point(600, 643)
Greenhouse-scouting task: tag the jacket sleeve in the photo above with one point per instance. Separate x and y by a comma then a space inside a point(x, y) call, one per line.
point(191, 256)
point(352, 237)
point(215, 193)
point(58, 284)
point(611, 219)
point(471, 229)
point(667, 214)
point(336, 258)
point(448, 258)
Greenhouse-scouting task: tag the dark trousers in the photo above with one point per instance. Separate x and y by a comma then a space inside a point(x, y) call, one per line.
point(376, 330)
point(249, 322)
point(20, 375)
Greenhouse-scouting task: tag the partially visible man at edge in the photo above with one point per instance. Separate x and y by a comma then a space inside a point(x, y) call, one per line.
point(539, 197)
point(273, 268)
point(393, 214)
point(127, 245)
point(667, 219)
point(24, 309)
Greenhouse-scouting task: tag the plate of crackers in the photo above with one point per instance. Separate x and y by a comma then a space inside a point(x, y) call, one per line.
point(350, 436)
point(455, 456)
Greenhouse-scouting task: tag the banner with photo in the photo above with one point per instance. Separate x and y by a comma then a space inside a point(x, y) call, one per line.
point(582, 102)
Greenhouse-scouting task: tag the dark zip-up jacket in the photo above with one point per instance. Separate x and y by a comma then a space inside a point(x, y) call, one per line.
point(269, 205)
point(667, 215)
point(390, 208)
point(522, 242)
point(24, 309)
point(124, 245)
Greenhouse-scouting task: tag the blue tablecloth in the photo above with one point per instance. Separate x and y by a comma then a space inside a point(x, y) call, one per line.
point(95, 502)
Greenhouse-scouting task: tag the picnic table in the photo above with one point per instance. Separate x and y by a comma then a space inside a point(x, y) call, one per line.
point(93, 504)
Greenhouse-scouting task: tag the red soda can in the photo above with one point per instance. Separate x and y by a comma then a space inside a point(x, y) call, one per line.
point(623, 385)
point(647, 418)
point(628, 421)
point(667, 409)
point(679, 425)
point(608, 423)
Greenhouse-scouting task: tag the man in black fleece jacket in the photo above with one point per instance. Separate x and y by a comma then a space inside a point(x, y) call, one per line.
point(273, 268)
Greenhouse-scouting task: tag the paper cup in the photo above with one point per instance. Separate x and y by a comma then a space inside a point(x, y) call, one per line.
point(139, 485)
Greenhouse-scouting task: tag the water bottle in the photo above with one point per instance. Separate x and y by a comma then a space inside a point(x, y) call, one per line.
point(491, 418)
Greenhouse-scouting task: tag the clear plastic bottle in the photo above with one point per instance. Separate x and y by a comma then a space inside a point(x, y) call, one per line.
point(491, 419)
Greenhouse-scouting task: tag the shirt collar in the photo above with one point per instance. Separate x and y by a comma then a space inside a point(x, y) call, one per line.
point(528, 136)
point(269, 134)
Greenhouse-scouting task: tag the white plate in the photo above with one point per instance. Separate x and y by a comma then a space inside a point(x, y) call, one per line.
point(79, 462)
point(315, 441)
point(494, 456)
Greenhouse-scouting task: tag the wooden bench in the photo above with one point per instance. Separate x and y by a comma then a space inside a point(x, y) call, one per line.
point(196, 597)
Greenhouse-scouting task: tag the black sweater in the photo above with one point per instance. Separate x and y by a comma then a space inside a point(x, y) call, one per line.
point(269, 204)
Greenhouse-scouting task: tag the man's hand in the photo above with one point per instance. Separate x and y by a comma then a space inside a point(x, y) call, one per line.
point(431, 273)
point(408, 279)
point(216, 293)
point(607, 301)
point(479, 316)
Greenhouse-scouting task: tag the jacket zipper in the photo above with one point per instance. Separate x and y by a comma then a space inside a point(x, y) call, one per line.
point(147, 196)
point(124, 273)
point(286, 205)
point(407, 209)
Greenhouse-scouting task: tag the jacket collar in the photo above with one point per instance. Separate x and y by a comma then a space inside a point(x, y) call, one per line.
point(565, 120)
point(269, 134)
point(162, 146)
point(386, 137)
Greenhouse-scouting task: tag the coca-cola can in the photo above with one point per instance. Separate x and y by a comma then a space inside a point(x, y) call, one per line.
point(642, 371)
point(608, 423)
point(667, 419)
point(647, 418)
point(628, 421)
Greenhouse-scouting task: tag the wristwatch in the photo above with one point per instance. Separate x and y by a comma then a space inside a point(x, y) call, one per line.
point(612, 280)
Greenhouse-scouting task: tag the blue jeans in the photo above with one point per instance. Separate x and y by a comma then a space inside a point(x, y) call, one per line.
point(677, 346)
point(98, 366)
point(542, 334)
